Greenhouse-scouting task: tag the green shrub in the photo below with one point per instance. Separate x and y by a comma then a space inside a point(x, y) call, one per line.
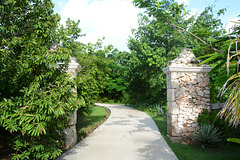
point(208, 117)
point(36, 99)
point(206, 135)
point(223, 125)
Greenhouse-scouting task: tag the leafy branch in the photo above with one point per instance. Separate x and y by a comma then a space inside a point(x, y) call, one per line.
point(201, 40)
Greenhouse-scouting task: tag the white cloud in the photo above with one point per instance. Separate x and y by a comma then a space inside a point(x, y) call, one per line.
point(195, 12)
point(110, 18)
point(229, 27)
point(185, 2)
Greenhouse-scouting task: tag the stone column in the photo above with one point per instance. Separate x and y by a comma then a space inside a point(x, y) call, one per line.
point(188, 95)
point(71, 133)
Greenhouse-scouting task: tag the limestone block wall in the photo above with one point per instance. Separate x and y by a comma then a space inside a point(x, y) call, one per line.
point(188, 95)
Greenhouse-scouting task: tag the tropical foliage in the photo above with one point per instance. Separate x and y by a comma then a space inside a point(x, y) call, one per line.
point(207, 135)
point(153, 45)
point(224, 126)
point(236, 140)
point(36, 98)
point(209, 39)
point(231, 109)
point(164, 30)
point(94, 74)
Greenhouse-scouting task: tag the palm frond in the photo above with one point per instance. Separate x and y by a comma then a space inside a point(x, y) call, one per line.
point(231, 109)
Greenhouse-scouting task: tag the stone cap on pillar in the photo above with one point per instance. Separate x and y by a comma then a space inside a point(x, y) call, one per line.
point(186, 62)
point(73, 61)
point(74, 64)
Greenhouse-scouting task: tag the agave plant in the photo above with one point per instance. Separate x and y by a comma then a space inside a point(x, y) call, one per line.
point(207, 135)
point(160, 110)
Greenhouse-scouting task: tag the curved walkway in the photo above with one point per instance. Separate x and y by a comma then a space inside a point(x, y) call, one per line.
point(128, 134)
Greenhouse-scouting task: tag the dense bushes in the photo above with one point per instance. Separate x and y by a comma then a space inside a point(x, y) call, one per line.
point(212, 129)
point(223, 125)
point(35, 98)
point(98, 79)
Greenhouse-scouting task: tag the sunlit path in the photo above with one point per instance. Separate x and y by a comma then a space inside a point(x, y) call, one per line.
point(128, 134)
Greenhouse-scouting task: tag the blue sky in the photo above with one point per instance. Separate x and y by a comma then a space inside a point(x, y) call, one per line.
point(232, 7)
point(114, 19)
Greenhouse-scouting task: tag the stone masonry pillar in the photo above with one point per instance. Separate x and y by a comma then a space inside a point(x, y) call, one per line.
point(71, 133)
point(188, 95)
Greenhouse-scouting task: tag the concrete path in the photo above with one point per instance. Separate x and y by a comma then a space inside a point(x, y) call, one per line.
point(128, 134)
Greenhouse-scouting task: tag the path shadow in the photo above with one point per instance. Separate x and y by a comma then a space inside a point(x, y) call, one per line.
point(74, 150)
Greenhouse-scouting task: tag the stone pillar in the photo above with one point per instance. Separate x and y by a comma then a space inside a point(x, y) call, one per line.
point(188, 95)
point(71, 133)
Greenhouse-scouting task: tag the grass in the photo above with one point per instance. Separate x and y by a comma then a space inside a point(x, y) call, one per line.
point(223, 151)
point(87, 123)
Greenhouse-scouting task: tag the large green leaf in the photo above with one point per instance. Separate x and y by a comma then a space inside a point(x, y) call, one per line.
point(214, 56)
point(236, 140)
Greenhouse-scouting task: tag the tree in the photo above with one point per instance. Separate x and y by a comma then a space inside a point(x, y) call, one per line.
point(94, 75)
point(98, 72)
point(117, 84)
point(154, 44)
point(68, 34)
point(213, 42)
point(35, 97)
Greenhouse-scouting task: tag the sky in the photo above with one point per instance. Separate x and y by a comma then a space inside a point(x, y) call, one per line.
point(114, 19)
